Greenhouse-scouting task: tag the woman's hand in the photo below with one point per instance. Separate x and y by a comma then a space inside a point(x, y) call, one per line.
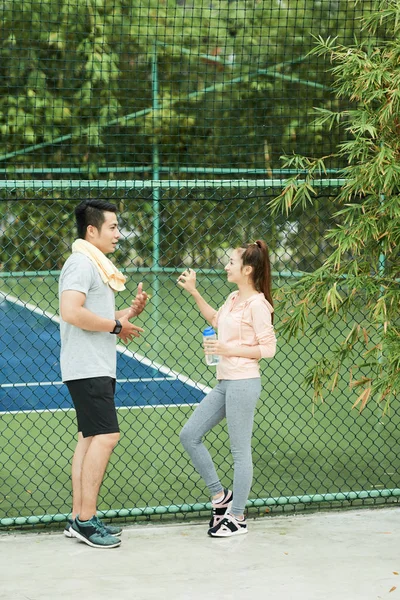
point(216, 347)
point(187, 280)
point(220, 349)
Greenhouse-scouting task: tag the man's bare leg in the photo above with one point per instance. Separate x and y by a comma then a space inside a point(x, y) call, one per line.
point(79, 455)
point(94, 464)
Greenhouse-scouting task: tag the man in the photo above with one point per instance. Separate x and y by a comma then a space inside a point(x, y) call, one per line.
point(89, 327)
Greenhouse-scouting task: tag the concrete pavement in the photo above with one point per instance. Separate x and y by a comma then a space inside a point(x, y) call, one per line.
point(343, 555)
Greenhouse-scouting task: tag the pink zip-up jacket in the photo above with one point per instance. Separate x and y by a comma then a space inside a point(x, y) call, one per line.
point(248, 323)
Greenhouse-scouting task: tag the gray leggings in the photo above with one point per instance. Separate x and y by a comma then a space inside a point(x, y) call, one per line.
point(236, 400)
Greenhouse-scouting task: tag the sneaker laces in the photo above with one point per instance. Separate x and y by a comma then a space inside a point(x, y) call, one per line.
point(100, 526)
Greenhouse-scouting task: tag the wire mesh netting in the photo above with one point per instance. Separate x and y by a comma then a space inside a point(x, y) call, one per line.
point(98, 88)
point(162, 377)
point(178, 113)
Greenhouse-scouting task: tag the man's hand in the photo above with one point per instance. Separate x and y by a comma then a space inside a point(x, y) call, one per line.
point(128, 331)
point(139, 303)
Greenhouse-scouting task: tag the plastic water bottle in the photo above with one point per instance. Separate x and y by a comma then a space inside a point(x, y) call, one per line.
point(209, 334)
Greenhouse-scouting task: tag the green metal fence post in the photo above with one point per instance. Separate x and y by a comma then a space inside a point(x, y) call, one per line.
point(381, 270)
point(155, 194)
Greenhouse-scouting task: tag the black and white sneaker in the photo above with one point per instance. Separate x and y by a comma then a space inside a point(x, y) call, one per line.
point(219, 509)
point(228, 527)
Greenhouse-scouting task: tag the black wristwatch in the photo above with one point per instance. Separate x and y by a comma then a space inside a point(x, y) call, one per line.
point(117, 328)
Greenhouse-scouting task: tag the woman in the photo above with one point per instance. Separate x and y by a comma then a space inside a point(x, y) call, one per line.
point(246, 334)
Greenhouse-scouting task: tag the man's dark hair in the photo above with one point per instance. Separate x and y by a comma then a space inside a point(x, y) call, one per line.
point(91, 212)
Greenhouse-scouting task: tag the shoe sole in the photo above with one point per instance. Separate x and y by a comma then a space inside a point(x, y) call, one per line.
point(70, 533)
point(230, 534)
point(82, 538)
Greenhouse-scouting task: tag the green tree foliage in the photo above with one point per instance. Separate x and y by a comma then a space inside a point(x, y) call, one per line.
point(79, 74)
point(234, 89)
point(359, 281)
point(28, 244)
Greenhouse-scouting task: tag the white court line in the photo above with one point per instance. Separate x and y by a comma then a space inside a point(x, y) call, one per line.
point(55, 383)
point(55, 410)
point(121, 349)
point(30, 307)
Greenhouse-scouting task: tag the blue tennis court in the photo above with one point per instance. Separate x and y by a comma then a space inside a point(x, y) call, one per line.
point(30, 376)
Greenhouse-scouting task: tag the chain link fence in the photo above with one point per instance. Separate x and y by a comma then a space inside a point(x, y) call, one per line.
point(178, 113)
point(302, 453)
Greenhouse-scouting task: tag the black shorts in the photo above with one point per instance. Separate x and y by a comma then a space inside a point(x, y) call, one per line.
point(93, 399)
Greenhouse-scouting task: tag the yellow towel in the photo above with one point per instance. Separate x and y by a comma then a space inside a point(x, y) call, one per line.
point(108, 271)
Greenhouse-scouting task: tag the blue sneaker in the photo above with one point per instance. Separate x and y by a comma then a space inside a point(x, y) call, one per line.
point(67, 529)
point(110, 529)
point(93, 534)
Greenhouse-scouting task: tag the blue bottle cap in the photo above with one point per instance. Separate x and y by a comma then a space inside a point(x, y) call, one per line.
point(208, 331)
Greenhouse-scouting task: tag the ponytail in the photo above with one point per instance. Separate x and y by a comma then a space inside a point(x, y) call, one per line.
point(257, 256)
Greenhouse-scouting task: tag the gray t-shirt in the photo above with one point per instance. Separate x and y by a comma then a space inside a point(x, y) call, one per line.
point(84, 353)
